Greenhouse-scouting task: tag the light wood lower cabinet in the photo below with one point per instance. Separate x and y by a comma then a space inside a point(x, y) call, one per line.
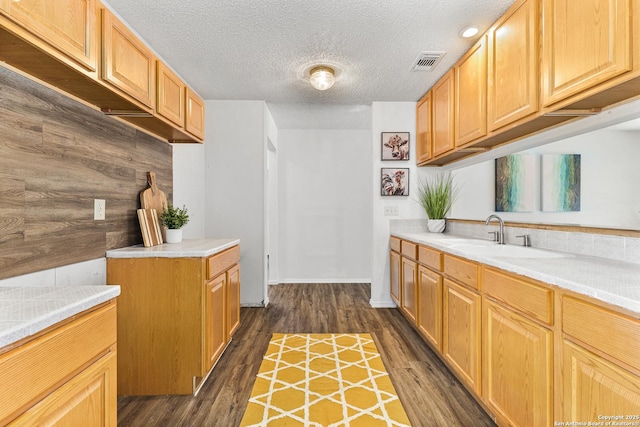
point(233, 300)
point(394, 268)
point(65, 377)
point(531, 353)
point(176, 317)
point(215, 337)
point(600, 364)
point(594, 386)
point(430, 306)
point(517, 367)
point(461, 332)
point(409, 290)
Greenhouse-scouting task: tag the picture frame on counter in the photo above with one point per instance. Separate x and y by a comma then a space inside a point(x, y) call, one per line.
point(394, 146)
point(394, 181)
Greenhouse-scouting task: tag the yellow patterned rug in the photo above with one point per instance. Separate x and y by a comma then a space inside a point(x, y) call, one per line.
point(323, 380)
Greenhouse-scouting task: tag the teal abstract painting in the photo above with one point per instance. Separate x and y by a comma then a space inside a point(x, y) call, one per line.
point(514, 183)
point(560, 183)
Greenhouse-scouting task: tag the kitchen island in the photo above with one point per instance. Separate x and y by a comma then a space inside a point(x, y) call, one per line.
point(179, 308)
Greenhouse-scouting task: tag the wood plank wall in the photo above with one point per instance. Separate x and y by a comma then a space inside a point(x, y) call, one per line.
point(56, 156)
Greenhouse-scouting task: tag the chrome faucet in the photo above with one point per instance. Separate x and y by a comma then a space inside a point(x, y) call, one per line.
point(500, 234)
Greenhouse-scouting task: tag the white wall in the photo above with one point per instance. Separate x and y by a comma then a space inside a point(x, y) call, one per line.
point(188, 186)
point(270, 207)
point(324, 205)
point(391, 117)
point(610, 195)
point(234, 185)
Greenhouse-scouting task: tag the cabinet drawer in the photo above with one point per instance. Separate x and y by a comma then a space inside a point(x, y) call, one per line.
point(34, 369)
point(394, 243)
point(430, 257)
point(409, 249)
point(611, 333)
point(530, 299)
point(463, 271)
point(218, 263)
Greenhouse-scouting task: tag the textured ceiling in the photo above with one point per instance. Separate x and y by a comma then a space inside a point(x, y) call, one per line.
point(260, 49)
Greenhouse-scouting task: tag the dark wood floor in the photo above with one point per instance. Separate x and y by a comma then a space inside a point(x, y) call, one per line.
point(431, 395)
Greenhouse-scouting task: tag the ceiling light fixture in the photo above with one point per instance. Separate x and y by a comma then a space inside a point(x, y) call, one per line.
point(469, 32)
point(322, 77)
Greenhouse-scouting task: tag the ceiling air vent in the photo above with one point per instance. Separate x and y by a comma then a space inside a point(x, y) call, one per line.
point(427, 61)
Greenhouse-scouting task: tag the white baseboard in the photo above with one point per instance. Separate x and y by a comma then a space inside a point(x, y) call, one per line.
point(324, 281)
point(382, 304)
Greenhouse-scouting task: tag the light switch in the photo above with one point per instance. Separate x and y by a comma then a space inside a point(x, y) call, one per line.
point(391, 210)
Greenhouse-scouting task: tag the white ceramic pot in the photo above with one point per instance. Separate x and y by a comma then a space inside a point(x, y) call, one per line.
point(435, 225)
point(174, 235)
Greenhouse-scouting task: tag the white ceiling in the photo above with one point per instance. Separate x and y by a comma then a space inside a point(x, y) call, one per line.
point(260, 49)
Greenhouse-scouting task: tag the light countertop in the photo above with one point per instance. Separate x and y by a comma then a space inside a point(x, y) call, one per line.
point(27, 310)
point(188, 248)
point(614, 282)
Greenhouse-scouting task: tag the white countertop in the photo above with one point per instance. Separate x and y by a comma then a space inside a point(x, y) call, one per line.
point(615, 282)
point(27, 310)
point(188, 248)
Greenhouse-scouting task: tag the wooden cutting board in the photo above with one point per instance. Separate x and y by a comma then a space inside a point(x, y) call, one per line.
point(150, 227)
point(153, 197)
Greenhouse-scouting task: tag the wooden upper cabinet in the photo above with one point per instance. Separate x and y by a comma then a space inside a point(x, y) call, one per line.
point(423, 129)
point(171, 93)
point(443, 113)
point(194, 120)
point(67, 25)
point(471, 94)
point(585, 43)
point(127, 63)
point(513, 65)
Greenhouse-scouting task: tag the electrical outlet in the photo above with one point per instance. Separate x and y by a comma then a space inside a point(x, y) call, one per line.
point(99, 209)
point(391, 210)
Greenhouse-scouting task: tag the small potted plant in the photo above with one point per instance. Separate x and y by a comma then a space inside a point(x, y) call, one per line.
point(174, 219)
point(436, 197)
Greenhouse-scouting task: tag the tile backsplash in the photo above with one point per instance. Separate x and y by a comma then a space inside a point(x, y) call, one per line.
point(600, 245)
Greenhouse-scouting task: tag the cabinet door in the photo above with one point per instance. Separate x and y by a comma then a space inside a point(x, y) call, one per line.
point(171, 92)
point(423, 129)
point(127, 63)
point(513, 65)
point(215, 321)
point(194, 120)
point(518, 366)
point(461, 334)
point(233, 300)
point(409, 291)
point(443, 112)
point(593, 386)
point(430, 306)
point(471, 94)
point(394, 280)
point(88, 399)
point(585, 43)
point(68, 25)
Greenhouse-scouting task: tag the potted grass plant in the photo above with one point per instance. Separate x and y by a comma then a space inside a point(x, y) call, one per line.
point(174, 219)
point(437, 197)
